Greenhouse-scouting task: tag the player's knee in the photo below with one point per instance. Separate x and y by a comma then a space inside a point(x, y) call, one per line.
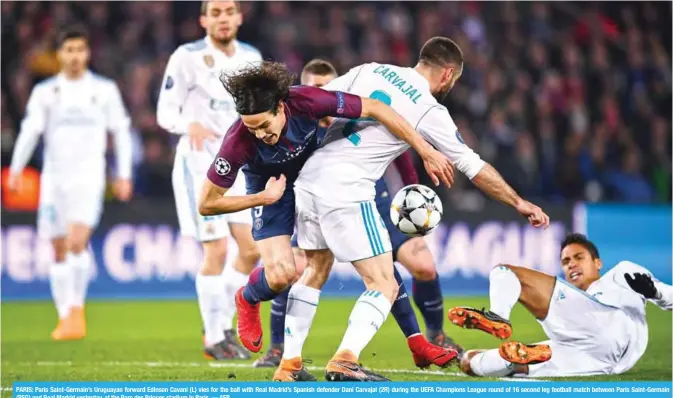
point(76, 246)
point(424, 271)
point(280, 275)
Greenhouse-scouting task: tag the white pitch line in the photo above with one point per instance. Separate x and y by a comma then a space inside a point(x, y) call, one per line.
point(226, 365)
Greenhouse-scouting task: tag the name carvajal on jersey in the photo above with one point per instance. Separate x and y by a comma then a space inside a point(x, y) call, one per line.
point(407, 89)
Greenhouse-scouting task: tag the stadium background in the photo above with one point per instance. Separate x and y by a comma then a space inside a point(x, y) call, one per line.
point(570, 101)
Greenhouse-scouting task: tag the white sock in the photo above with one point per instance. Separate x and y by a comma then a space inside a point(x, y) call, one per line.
point(504, 290)
point(233, 280)
point(369, 313)
point(81, 264)
point(490, 364)
point(61, 283)
point(211, 298)
point(302, 302)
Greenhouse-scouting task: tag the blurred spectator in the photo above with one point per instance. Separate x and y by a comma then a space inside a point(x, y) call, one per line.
point(571, 101)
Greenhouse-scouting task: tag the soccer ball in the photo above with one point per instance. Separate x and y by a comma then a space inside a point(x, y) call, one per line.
point(416, 210)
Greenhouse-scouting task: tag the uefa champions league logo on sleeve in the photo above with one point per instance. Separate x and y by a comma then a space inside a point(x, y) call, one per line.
point(222, 167)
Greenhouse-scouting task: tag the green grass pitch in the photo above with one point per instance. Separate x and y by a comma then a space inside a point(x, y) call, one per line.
point(161, 341)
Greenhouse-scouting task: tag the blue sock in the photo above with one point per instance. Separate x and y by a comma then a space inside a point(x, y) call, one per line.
point(278, 310)
point(402, 310)
point(257, 289)
point(429, 300)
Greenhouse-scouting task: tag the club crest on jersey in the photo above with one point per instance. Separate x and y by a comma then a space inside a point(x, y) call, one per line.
point(222, 167)
point(209, 60)
point(259, 223)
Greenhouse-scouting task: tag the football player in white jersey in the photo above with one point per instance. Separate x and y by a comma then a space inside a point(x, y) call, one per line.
point(74, 111)
point(336, 214)
point(574, 314)
point(194, 104)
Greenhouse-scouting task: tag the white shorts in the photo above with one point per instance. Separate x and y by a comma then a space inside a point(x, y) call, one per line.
point(189, 173)
point(352, 231)
point(68, 201)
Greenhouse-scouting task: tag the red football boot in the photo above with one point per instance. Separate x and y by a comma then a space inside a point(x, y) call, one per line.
point(426, 353)
point(249, 324)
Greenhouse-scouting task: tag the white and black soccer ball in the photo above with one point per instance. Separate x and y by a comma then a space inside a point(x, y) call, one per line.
point(416, 210)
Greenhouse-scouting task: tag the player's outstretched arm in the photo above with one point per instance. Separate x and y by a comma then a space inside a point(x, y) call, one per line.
point(489, 181)
point(214, 202)
point(438, 128)
point(438, 166)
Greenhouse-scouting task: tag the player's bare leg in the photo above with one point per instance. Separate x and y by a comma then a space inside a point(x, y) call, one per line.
point(416, 257)
point(212, 299)
point(264, 284)
point(508, 284)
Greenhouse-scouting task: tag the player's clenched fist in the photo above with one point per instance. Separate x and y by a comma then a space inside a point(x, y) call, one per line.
point(274, 189)
point(536, 217)
point(439, 167)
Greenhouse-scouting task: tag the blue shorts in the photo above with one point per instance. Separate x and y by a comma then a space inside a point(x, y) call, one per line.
point(276, 219)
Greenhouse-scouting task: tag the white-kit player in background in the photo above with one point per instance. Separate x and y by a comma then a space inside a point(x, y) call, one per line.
point(595, 324)
point(336, 188)
point(194, 104)
point(74, 111)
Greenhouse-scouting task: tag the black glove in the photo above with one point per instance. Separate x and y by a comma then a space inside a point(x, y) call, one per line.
point(643, 284)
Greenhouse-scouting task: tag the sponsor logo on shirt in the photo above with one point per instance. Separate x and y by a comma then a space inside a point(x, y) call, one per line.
point(222, 167)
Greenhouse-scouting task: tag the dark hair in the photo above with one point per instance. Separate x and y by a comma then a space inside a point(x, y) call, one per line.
point(204, 7)
point(74, 32)
point(582, 241)
point(441, 51)
point(320, 67)
point(258, 88)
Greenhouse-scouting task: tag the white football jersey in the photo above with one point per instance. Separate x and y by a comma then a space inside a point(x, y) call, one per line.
point(74, 116)
point(192, 92)
point(631, 332)
point(357, 152)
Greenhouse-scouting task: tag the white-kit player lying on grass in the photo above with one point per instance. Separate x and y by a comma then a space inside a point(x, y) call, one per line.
point(596, 325)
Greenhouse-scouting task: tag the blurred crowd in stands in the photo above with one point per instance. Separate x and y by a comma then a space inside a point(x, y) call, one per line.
point(570, 101)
